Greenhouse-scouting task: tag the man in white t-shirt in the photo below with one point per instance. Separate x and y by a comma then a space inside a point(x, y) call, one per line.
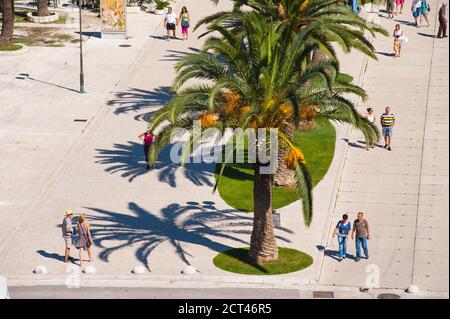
point(170, 21)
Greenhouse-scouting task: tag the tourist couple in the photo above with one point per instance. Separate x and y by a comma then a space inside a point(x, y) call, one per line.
point(360, 233)
point(387, 120)
point(83, 239)
point(171, 20)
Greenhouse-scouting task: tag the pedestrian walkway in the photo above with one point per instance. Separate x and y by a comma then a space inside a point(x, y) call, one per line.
point(403, 193)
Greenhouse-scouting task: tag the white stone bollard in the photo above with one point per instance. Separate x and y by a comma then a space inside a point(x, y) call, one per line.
point(138, 269)
point(40, 270)
point(189, 270)
point(413, 289)
point(4, 288)
point(89, 270)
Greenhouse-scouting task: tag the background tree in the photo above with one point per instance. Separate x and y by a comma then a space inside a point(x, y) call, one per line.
point(42, 8)
point(6, 36)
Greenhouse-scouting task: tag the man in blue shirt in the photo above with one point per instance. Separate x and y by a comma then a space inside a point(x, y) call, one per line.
point(342, 230)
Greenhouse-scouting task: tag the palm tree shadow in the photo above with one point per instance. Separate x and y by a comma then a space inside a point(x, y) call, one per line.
point(136, 100)
point(123, 158)
point(175, 55)
point(129, 159)
point(193, 223)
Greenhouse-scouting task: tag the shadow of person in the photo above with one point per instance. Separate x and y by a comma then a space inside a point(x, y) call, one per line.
point(55, 256)
point(352, 144)
point(408, 23)
point(374, 144)
point(388, 54)
point(334, 254)
point(192, 223)
point(426, 35)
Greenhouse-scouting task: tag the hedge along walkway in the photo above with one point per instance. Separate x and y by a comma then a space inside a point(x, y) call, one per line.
point(318, 144)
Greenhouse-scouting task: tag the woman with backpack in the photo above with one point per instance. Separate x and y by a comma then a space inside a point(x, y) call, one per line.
point(147, 138)
point(185, 20)
point(342, 230)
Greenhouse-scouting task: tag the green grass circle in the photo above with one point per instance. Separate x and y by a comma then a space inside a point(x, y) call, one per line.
point(236, 260)
point(13, 47)
point(317, 144)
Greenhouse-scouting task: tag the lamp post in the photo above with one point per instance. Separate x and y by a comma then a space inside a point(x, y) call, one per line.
point(81, 53)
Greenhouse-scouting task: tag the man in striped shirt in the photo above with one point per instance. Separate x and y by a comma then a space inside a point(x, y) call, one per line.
point(387, 120)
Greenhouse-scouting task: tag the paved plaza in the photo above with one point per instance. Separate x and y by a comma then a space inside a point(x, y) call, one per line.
point(64, 150)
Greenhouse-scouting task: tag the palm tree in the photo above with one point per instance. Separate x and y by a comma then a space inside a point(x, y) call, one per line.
point(6, 36)
point(251, 80)
point(335, 22)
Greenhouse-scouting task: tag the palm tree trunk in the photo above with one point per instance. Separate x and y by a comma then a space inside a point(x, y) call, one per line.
point(318, 56)
point(42, 8)
point(263, 247)
point(284, 176)
point(6, 36)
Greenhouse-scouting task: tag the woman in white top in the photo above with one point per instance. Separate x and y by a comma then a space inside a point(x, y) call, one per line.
point(370, 116)
point(398, 33)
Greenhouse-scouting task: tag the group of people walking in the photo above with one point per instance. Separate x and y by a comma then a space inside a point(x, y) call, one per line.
point(79, 236)
point(420, 10)
point(171, 21)
point(394, 7)
point(359, 232)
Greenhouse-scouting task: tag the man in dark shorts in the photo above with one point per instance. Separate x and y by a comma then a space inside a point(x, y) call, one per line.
point(170, 21)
